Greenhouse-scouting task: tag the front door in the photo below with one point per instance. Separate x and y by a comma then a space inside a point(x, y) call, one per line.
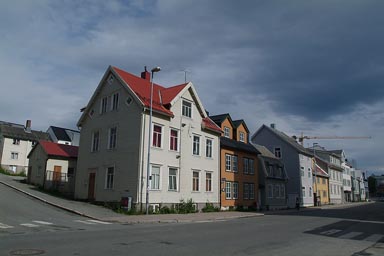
point(91, 186)
point(56, 179)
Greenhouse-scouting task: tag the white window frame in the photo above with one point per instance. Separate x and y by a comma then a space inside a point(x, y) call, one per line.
point(242, 136)
point(208, 182)
point(174, 140)
point(172, 179)
point(228, 162)
point(196, 145)
point(235, 163)
point(155, 178)
point(112, 138)
point(186, 110)
point(156, 134)
point(115, 101)
point(228, 190)
point(208, 147)
point(226, 132)
point(109, 178)
point(103, 105)
point(195, 181)
point(14, 155)
point(251, 191)
point(95, 141)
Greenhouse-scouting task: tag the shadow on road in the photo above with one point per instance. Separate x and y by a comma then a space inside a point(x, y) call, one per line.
point(367, 212)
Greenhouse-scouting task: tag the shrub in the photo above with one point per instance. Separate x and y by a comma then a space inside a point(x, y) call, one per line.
point(210, 208)
point(186, 207)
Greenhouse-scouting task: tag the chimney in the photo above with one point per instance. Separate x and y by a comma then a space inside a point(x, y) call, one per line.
point(273, 126)
point(28, 126)
point(145, 74)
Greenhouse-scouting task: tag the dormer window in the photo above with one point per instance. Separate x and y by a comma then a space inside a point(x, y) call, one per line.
point(278, 152)
point(16, 141)
point(187, 109)
point(242, 137)
point(226, 132)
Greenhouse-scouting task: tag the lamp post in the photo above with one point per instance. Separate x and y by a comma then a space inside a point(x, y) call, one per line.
point(154, 70)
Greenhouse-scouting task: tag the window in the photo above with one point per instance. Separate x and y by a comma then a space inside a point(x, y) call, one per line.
point(112, 139)
point(208, 181)
point(246, 191)
point(228, 159)
point(155, 177)
point(242, 136)
point(309, 173)
point(95, 141)
point(276, 192)
point(234, 163)
point(109, 178)
point(110, 79)
point(270, 170)
point(323, 180)
point(187, 109)
point(282, 190)
point(156, 136)
point(208, 148)
point(173, 140)
point(228, 186)
point(196, 145)
point(325, 194)
point(245, 165)
point(278, 152)
point(303, 191)
point(235, 190)
point(104, 103)
point(251, 166)
point(14, 155)
point(172, 179)
point(195, 181)
point(71, 172)
point(16, 141)
point(270, 190)
point(310, 192)
point(302, 171)
point(115, 101)
point(226, 131)
point(251, 191)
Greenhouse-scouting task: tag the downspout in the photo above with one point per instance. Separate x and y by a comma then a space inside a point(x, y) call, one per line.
point(142, 160)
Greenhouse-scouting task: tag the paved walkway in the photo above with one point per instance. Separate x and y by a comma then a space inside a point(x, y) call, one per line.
point(104, 214)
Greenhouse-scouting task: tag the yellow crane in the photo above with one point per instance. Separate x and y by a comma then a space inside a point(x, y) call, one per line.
point(302, 137)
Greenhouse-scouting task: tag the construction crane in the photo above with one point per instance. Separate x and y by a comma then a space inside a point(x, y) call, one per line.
point(302, 137)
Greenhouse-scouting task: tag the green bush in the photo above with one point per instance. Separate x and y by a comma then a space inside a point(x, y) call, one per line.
point(210, 208)
point(186, 207)
point(21, 174)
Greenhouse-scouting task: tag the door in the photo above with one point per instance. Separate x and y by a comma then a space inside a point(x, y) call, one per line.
point(56, 179)
point(91, 186)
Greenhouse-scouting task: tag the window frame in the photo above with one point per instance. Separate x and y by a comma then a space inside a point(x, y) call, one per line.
point(228, 190)
point(115, 101)
point(104, 105)
point(155, 178)
point(235, 194)
point(227, 132)
point(208, 182)
point(172, 179)
point(278, 152)
point(95, 147)
point(109, 178)
point(242, 136)
point(208, 147)
point(157, 137)
point(195, 181)
point(186, 110)
point(235, 163)
point(228, 162)
point(196, 145)
point(174, 140)
point(15, 155)
point(112, 138)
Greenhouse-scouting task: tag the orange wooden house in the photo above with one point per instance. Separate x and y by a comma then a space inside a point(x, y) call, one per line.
point(238, 165)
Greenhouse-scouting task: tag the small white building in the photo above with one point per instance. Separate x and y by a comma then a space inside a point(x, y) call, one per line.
point(16, 141)
point(113, 153)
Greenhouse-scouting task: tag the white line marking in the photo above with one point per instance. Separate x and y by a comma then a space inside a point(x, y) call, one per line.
point(4, 226)
point(99, 222)
point(85, 222)
point(374, 238)
point(350, 235)
point(330, 232)
point(42, 222)
point(30, 225)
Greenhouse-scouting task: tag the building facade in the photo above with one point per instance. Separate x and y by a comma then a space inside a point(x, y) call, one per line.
point(113, 155)
point(238, 165)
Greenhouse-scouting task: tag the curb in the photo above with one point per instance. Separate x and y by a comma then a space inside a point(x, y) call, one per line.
point(48, 202)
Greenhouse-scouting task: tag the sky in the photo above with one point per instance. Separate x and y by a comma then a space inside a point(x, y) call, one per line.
point(311, 67)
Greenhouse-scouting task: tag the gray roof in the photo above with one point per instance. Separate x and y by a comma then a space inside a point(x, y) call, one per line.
point(289, 140)
point(17, 131)
point(264, 151)
point(226, 142)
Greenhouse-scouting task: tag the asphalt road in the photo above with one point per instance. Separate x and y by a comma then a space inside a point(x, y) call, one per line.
point(323, 232)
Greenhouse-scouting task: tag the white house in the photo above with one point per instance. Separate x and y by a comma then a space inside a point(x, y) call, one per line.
point(16, 141)
point(113, 152)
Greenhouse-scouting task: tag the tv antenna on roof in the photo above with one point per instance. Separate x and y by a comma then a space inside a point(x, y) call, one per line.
point(185, 74)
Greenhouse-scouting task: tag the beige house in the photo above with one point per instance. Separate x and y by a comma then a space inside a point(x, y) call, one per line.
point(16, 141)
point(52, 166)
point(113, 153)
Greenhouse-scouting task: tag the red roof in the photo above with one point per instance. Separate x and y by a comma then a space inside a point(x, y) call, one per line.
point(209, 124)
point(55, 149)
point(142, 88)
point(320, 171)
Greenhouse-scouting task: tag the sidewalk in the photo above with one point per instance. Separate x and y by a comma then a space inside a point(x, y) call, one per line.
point(103, 214)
